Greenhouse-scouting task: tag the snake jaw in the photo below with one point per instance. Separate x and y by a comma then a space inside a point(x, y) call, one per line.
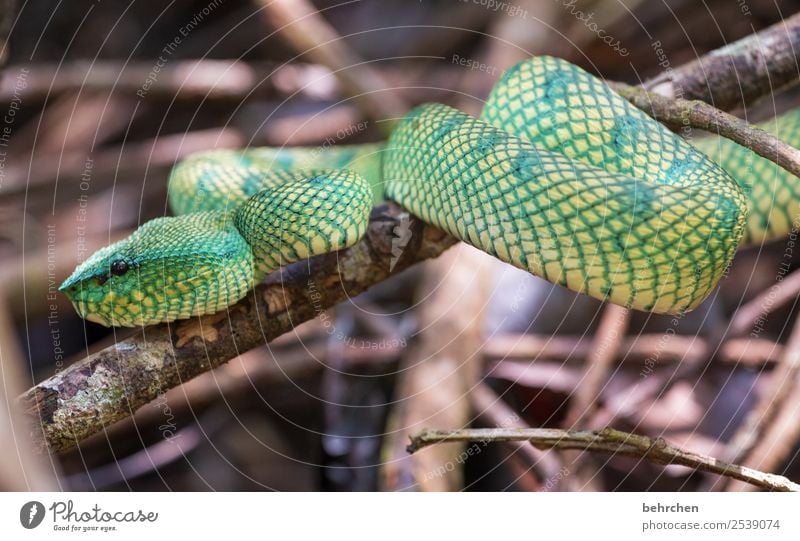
point(81, 309)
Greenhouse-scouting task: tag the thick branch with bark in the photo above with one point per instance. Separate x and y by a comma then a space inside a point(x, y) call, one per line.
point(611, 441)
point(111, 384)
point(739, 73)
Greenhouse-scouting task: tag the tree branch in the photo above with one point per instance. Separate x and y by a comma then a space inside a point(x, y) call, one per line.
point(739, 73)
point(677, 113)
point(111, 384)
point(611, 441)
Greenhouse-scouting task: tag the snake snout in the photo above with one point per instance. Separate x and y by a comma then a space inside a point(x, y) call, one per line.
point(170, 268)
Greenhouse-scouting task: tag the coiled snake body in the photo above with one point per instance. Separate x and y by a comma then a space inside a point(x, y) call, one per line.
point(560, 176)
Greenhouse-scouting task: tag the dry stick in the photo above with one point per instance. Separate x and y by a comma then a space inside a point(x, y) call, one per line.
point(563, 348)
point(206, 79)
point(612, 441)
point(765, 302)
point(300, 24)
point(199, 79)
point(752, 352)
point(111, 384)
point(740, 72)
point(77, 121)
point(678, 113)
point(488, 405)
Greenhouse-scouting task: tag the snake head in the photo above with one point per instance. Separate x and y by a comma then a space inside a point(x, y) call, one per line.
point(91, 288)
point(170, 268)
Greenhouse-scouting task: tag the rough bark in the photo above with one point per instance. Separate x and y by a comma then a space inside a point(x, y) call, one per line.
point(679, 113)
point(739, 73)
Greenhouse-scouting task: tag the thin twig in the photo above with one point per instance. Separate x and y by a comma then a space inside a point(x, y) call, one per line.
point(677, 113)
point(232, 81)
point(611, 441)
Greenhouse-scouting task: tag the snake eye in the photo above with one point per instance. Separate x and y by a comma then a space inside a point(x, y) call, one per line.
point(119, 267)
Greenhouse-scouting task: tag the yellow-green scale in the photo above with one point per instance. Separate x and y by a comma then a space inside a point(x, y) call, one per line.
point(560, 176)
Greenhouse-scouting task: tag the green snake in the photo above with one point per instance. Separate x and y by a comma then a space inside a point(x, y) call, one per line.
point(560, 176)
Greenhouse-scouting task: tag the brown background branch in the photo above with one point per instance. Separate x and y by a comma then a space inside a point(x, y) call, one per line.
point(305, 28)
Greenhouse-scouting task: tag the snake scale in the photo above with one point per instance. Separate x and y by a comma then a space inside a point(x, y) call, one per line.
point(560, 176)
